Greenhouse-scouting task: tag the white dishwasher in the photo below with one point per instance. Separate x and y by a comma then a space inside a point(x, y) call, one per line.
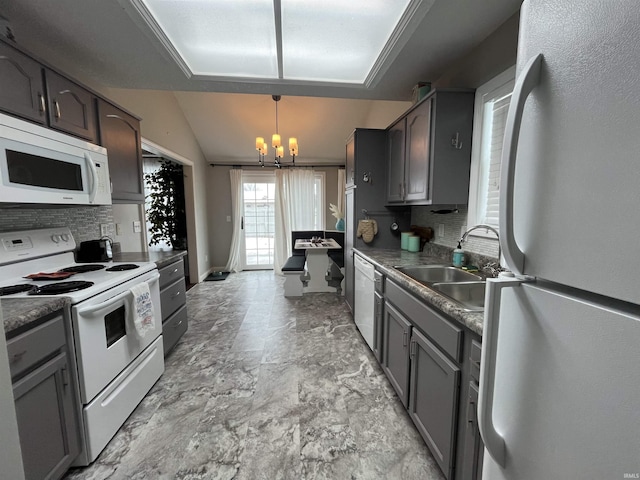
point(364, 298)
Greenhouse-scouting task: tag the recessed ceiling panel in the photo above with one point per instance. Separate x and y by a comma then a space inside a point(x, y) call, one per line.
point(227, 38)
point(336, 40)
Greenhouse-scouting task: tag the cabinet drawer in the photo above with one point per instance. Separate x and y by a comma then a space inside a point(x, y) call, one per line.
point(34, 345)
point(446, 335)
point(378, 281)
point(474, 360)
point(174, 328)
point(172, 298)
point(171, 273)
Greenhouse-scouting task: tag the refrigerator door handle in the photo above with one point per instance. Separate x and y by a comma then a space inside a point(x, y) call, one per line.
point(493, 441)
point(529, 78)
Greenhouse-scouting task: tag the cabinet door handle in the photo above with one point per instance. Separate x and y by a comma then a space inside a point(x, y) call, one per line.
point(43, 106)
point(16, 357)
point(175, 295)
point(404, 338)
point(56, 106)
point(178, 324)
point(65, 376)
point(412, 349)
point(175, 271)
point(471, 414)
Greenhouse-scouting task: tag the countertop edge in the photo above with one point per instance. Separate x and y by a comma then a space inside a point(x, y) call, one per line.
point(17, 313)
point(160, 258)
point(385, 260)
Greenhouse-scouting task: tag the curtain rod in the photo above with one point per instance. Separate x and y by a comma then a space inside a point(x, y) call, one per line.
point(302, 165)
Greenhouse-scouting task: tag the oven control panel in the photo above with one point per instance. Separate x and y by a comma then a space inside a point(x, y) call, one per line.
point(35, 243)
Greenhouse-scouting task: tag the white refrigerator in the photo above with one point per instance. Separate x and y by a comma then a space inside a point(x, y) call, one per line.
point(560, 373)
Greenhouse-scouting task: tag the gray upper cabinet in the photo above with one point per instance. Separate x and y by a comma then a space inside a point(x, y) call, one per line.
point(395, 142)
point(71, 107)
point(429, 151)
point(21, 85)
point(417, 153)
point(120, 135)
point(433, 399)
point(350, 163)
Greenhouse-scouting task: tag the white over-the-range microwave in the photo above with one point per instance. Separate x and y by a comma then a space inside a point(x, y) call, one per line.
point(39, 165)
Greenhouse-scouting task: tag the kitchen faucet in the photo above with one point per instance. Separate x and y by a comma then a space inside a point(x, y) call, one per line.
point(492, 267)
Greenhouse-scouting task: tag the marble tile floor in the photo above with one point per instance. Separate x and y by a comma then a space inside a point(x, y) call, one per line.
point(265, 387)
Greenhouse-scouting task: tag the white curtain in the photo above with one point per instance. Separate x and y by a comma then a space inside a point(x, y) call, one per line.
point(294, 209)
point(341, 185)
point(237, 203)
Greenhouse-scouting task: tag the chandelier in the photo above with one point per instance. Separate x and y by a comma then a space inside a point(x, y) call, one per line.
point(276, 143)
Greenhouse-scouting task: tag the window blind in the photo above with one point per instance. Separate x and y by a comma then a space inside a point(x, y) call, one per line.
point(498, 123)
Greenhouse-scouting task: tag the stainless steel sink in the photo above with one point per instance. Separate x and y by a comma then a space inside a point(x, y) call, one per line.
point(430, 274)
point(469, 295)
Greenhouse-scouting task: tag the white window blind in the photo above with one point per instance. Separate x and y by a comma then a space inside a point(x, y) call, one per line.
point(490, 117)
point(499, 109)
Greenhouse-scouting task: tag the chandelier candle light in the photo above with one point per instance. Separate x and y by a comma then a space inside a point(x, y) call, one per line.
point(276, 143)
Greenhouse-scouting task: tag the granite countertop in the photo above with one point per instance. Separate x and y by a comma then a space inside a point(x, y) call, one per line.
point(17, 313)
point(385, 260)
point(160, 258)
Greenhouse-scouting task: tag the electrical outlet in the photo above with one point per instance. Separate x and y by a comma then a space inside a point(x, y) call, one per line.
point(441, 229)
point(104, 229)
point(118, 229)
point(229, 218)
point(137, 227)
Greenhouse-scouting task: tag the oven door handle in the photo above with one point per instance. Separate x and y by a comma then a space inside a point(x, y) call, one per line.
point(94, 309)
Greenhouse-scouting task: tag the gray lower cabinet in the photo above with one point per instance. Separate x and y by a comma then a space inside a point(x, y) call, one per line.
point(173, 302)
point(378, 325)
point(395, 351)
point(433, 399)
point(473, 446)
point(45, 399)
point(471, 464)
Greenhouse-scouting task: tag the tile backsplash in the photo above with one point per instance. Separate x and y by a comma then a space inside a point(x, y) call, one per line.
point(453, 223)
point(84, 222)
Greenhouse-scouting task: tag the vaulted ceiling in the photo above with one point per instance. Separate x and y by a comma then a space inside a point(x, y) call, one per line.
point(108, 42)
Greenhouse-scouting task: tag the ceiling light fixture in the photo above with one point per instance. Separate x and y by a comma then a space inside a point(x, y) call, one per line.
point(276, 143)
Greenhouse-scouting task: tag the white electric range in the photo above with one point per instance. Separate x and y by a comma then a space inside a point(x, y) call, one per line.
point(116, 367)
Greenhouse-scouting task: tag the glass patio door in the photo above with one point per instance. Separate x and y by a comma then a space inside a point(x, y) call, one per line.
point(259, 221)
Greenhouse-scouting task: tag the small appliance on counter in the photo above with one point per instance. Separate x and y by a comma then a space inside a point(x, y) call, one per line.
point(94, 251)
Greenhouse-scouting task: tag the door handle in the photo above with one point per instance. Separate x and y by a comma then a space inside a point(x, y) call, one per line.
point(56, 107)
point(94, 177)
point(529, 78)
point(493, 441)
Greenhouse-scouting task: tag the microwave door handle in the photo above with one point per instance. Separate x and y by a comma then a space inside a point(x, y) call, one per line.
point(94, 309)
point(94, 177)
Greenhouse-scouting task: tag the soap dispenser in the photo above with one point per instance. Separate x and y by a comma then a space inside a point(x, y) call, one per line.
point(458, 256)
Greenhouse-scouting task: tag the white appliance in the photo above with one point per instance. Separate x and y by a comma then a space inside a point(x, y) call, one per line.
point(39, 165)
point(116, 368)
point(560, 373)
point(364, 289)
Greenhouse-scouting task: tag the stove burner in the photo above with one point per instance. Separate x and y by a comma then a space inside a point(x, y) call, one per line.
point(82, 268)
point(120, 268)
point(15, 289)
point(62, 287)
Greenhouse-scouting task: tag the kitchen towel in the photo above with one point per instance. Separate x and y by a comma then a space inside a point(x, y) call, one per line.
point(367, 229)
point(142, 315)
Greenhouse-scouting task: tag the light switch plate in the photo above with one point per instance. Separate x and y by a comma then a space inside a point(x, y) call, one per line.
point(441, 229)
point(137, 228)
point(104, 229)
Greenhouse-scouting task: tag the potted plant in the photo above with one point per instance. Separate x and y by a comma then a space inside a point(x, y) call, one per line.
point(165, 206)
